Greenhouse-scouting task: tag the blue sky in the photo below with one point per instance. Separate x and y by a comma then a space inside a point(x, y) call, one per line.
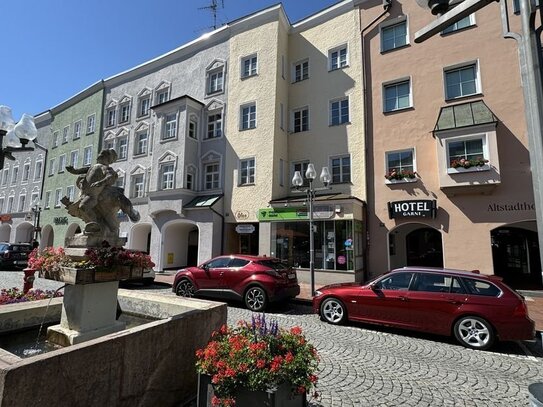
point(52, 49)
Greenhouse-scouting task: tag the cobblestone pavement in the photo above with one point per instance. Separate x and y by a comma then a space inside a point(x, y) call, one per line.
point(362, 365)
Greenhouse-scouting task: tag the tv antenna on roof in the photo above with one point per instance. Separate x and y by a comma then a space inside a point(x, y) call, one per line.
point(213, 9)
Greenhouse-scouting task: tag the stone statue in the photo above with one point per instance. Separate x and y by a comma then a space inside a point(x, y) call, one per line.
point(100, 199)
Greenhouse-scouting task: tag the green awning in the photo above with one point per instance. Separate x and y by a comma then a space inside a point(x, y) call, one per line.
point(464, 115)
point(203, 201)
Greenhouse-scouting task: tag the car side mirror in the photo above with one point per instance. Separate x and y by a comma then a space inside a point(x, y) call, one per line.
point(205, 267)
point(374, 286)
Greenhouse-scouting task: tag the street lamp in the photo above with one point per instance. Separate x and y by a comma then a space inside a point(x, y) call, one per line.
point(36, 210)
point(298, 181)
point(17, 135)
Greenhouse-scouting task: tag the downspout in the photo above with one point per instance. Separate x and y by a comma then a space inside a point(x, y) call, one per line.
point(387, 5)
point(222, 227)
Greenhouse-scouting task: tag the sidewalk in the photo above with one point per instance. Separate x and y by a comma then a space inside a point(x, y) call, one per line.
point(534, 300)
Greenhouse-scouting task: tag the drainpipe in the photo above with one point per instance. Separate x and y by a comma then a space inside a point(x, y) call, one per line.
point(222, 227)
point(387, 5)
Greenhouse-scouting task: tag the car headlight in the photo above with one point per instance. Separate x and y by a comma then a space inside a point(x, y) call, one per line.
point(318, 293)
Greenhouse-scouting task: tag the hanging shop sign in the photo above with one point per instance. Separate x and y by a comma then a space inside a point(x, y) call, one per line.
point(412, 209)
point(245, 229)
point(60, 220)
point(282, 214)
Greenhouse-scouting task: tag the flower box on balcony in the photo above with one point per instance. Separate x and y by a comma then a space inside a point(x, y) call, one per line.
point(400, 181)
point(461, 170)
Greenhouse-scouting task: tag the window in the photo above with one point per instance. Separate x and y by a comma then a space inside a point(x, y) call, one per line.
point(111, 116)
point(34, 198)
point(170, 128)
point(478, 287)
point(302, 167)
point(87, 155)
point(51, 166)
point(394, 36)
point(91, 123)
point(122, 148)
point(26, 172)
point(109, 144)
point(65, 133)
point(22, 202)
point(467, 21)
point(248, 117)
point(339, 111)
point(70, 192)
point(137, 186)
point(466, 149)
point(214, 125)
point(47, 200)
point(301, 71)
point(338, 58)
point(14, 175)
point(438, 283)
point(125, 112)
point(341, 169)
point(120, 181)
point(249, 66)
point(461, 82)
point(400, 161)
point(55, 139)
point(397, 96)
point(5, 177)
point(300, 120)
point(58, 194)
point(10, 204)
point(247, 171)
point(1, 205)
point(189, 181)
point(516, 7)
point(77, 129)
point(167, 176)
point(396, 281)
point(193, 129)
point(215, 81)
point(144, 105)
point(74, 158)
point(162, 96)
point(61, 163)
point(141, 142)
point(37, 170)
point(212, 176)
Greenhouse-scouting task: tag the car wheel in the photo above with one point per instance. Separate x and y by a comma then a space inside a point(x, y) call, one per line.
point(333, 311)
point(256, 299)
point(474, 332)
point(185, 288)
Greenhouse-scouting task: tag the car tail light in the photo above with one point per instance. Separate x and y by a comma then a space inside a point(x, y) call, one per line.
point(521, 310)
point(273, 273)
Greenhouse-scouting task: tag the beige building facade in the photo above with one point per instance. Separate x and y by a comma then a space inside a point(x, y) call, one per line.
point(449, 181)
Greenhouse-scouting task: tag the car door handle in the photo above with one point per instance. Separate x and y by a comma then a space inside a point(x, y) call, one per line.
point(455, 302)
point(402, 298)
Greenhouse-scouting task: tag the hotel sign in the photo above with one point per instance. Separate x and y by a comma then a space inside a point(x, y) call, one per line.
point(412, 209)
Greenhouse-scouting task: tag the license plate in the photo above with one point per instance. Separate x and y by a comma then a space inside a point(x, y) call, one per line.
point(19, 262)
point(292, 276)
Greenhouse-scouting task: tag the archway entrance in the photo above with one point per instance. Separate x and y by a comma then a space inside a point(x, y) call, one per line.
point(180, 245)
point(140, 237)
point(415, 244)
point(47, 237)
point(515, 254)
point(5, 232)
point(24, 232)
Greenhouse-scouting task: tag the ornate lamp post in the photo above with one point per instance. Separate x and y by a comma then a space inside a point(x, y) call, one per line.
point(17, 135)
point(297, 182)
point(36, 210)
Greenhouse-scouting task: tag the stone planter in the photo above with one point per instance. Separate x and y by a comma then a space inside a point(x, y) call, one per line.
point(72, 275)
point(282, 396)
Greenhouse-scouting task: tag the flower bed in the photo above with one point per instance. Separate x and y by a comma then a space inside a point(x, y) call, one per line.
point(14, 295)
point(400, 175)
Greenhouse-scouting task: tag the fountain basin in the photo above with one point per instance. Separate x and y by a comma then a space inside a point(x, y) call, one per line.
point(147, 365)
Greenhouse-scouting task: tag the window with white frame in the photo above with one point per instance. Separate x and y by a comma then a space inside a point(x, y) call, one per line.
point(397, 95)
point(170, 127)
point(247, 171)
point(58, 195)
point(61, 163)
point(109, 144)
point(162, 95)
point(302, 167)
point(111, 116)
point(400, 162)
point(74, 158)
point(461, 81)
point(300, 120)
point(10, 204)
point(144, 104)
point(167, 173)
point(70, 192)
point(214, 125)
point(14, 175)
point(26, 172)
point(5, 177)
point(120, 181)
point(22, 203)
point(339, 111)
point(341, 169)
point(471, 149)
point(122, 148)
point(215, 81)
point(34, 198)
point(124, 112)
point(65, 134)
point(87, 155)
point(54, 143)
point(91, 123)
point(467, 21)
point(193, 128)
point(301, 71)
point(394, 36)
point(338, 58)
point(77, 129)
point(249, 66)
point(37, 170)
point(137, 186)
point(47, 200)
point(212, 176)
point(248, 116)
point(142, 139)
point(52, 166)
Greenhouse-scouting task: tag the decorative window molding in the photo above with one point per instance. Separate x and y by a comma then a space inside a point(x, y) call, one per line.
point(215, 77)
point(162, 92)
point(125, 106)
point(141, 140)
point(144, 103)
point(211, 164)
point(111, 114)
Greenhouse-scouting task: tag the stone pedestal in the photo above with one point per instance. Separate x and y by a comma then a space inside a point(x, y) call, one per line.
point(88, 312)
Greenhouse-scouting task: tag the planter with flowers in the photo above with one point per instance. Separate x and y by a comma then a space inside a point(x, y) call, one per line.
point(398, 177)
point(256, 364)
point(464, 165)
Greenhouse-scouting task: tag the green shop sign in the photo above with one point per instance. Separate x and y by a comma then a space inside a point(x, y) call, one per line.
point(279, 214)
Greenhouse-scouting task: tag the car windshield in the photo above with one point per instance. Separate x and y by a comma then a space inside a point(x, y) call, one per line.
point(273, 264)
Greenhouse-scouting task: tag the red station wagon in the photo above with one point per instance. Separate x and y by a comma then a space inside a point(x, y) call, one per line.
point(253, 279)
point(476, 309)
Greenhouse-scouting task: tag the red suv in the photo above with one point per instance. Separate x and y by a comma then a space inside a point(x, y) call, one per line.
point(253, 279)
point(477, 309)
